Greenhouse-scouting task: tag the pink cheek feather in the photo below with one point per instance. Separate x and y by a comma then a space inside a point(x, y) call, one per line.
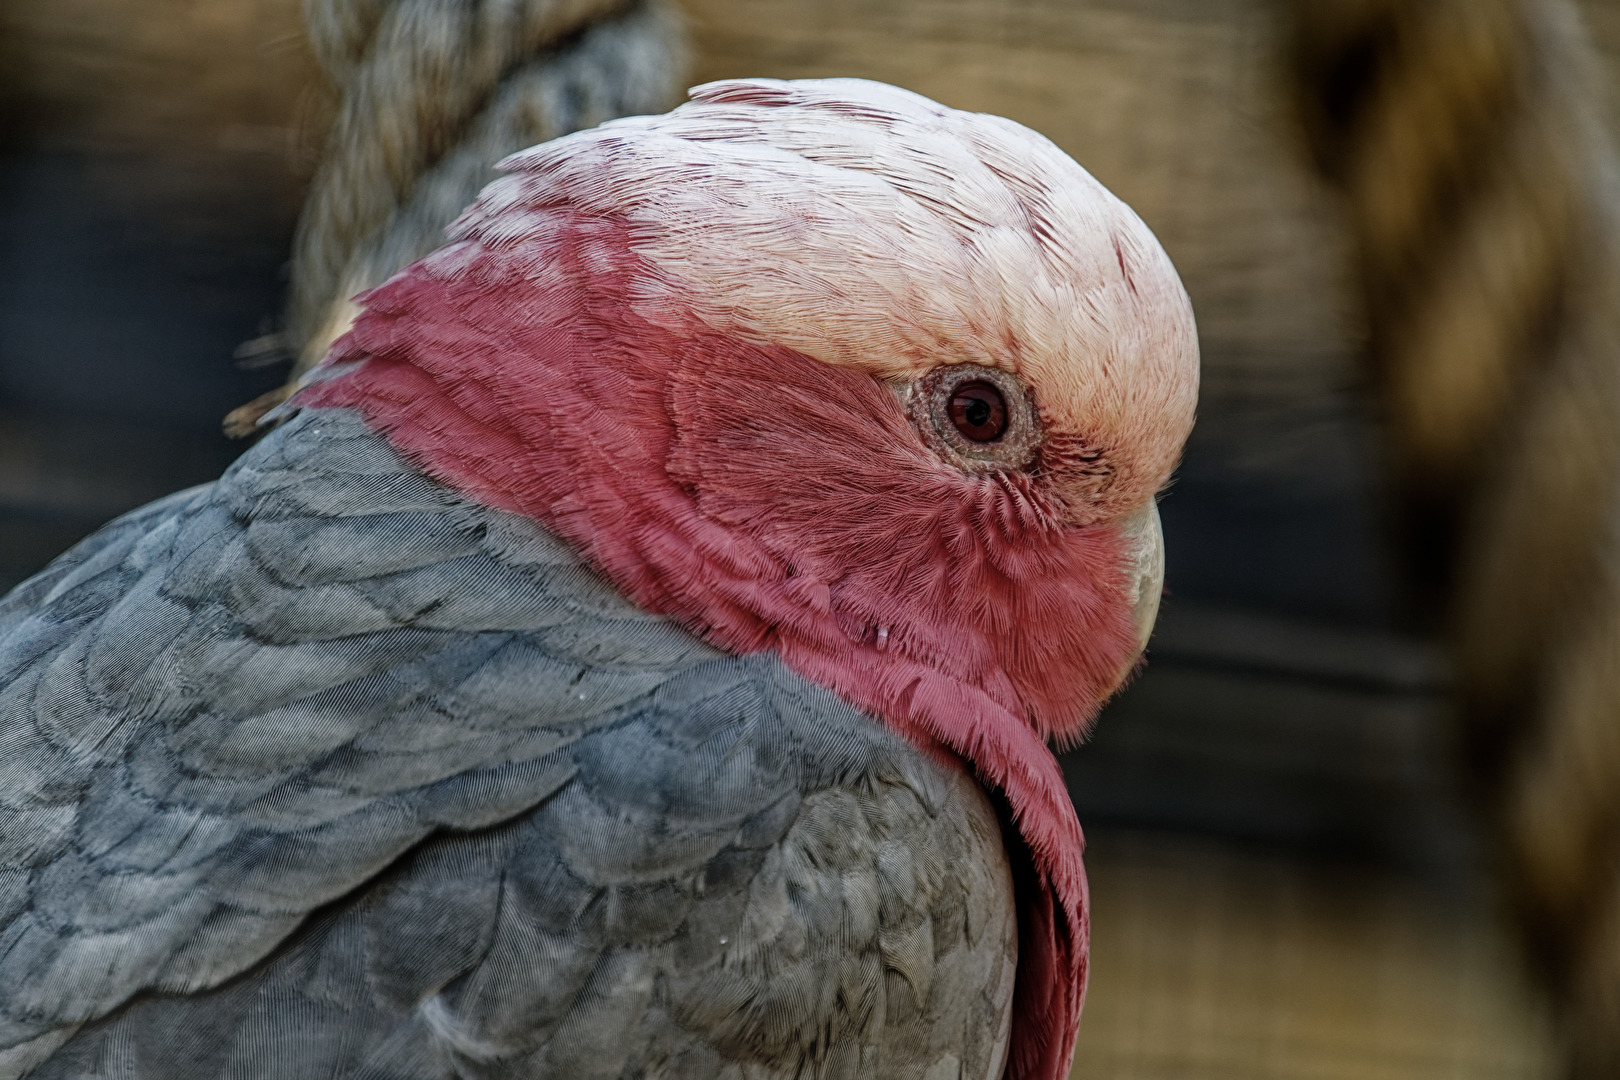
point(770, 501)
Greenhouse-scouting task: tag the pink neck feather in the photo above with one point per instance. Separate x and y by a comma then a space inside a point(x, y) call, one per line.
point(769, 501)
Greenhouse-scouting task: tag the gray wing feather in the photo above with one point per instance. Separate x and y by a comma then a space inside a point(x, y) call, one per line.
point(323, 770)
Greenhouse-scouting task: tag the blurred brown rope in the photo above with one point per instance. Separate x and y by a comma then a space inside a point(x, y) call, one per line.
point(1481, 190)
point(433, 93)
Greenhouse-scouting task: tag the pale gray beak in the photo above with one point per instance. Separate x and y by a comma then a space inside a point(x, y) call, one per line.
point(1146, 539)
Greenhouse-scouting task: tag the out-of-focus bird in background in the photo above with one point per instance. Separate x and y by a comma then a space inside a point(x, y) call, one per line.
point(637, 653)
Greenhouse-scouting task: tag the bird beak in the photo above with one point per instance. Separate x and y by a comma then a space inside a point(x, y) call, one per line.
point(1144, 540)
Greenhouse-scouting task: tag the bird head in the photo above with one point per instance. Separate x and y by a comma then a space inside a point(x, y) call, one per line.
point(818, 366)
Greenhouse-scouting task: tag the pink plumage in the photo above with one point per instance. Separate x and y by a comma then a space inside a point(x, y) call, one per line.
point(691, 346)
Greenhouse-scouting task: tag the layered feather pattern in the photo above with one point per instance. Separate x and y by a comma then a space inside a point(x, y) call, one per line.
point(324, 770)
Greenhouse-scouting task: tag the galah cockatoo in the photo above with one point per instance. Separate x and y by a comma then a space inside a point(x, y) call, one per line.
point(637, 653)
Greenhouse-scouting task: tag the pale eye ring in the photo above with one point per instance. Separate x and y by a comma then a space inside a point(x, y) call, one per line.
point(978, 418)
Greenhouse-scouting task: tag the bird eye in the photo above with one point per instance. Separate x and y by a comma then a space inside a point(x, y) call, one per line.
point(979, 411)
point(976, 417)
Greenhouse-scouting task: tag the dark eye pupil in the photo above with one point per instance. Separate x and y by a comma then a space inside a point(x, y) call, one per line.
point(978, 411)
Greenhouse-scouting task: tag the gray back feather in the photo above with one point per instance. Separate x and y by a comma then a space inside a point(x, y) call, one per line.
point(325, 770)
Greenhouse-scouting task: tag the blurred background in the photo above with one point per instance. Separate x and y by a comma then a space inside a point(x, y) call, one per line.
point(1358, 818)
